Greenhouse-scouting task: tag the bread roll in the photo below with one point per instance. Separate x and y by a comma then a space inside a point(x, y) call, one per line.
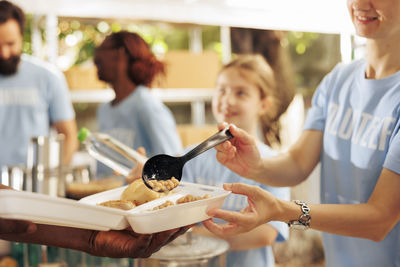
point(138, 193)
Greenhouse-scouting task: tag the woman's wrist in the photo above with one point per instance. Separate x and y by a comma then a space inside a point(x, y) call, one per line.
point(287, 211)
point(259, 172)
point(303, 222)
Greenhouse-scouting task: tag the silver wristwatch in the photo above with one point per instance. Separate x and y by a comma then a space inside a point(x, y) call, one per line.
point(303, 223)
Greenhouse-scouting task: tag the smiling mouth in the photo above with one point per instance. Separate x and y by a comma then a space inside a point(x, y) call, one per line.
point(365, 19)
point(229, 115)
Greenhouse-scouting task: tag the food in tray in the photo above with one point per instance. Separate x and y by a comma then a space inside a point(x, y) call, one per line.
point(164, 205)
point(139, 193)
point(190, 198)
point(184, 199)
point(163, 185)
point(134, 195)
point(118, 204)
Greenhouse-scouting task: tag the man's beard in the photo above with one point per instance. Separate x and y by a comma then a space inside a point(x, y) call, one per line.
point(9, 66)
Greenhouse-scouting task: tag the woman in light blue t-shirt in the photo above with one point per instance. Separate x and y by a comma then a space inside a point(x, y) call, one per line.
point(135, 117)
point(353, 129)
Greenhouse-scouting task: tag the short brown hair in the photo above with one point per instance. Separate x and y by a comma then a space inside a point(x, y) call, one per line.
point(143, 64)
point(10, 11)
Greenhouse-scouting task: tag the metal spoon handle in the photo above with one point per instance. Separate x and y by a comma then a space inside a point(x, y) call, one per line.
point(214, 140)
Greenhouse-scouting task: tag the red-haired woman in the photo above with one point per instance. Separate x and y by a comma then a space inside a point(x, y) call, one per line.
point(135, 116)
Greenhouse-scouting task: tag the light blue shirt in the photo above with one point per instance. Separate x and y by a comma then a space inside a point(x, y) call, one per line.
point(205, 169)
point(140, 120)
point(360, 120)
point(30, 101)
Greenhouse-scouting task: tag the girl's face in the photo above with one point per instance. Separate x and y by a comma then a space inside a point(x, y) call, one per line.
point(237, 100)
point(375, 18)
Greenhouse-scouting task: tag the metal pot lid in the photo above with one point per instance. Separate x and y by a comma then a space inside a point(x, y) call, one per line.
point(194, 247)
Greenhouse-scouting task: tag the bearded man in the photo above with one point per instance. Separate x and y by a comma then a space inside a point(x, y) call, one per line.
point(33, 95)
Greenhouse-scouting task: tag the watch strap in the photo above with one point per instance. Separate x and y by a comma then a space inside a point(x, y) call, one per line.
point(304, 218)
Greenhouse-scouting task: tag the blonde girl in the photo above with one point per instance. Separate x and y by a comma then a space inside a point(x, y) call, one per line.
point(247, 96)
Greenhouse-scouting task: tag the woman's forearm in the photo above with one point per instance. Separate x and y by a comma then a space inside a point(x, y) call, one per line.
point(279, 171)
point(294, 166)
point(372, 220)
point(357, 220)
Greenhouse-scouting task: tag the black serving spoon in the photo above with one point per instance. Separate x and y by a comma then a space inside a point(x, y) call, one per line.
point(163, 167)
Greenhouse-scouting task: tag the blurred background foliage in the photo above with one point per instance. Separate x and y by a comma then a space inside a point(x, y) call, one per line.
point(312, 54)
point(27, 43)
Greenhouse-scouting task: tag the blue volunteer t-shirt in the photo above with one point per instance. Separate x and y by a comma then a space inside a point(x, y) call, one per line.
point(30, 100)
point(360, 120)
point(140, 120)
point(205, 169)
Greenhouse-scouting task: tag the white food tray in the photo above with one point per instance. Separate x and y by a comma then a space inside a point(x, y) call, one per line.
point(45, 209)
point(143, 219)
point(86, 214)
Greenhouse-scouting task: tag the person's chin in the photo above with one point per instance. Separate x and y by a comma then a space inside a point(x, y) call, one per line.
point(101, 77)
point(230, 119)
point(9, 66)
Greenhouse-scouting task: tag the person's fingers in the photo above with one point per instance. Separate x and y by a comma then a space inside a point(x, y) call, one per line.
point(239, 188)
point(232, 127)
point(212, 226)
point(243, 189)
point(222, 157)
point(118, 244)
point(222, 125)
point(161, 239)
point(132, 176)
point(227, 187)
point(232, 216)
point(16, 227)
point(158, 240)
point(142, 151)
point(241, 135)
point(211, 212)
point(136, 172)
point(222, 230)
point(141, 244)
point(129, 179)
point(181, 231)
point(225, 147)
point(225, 152)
